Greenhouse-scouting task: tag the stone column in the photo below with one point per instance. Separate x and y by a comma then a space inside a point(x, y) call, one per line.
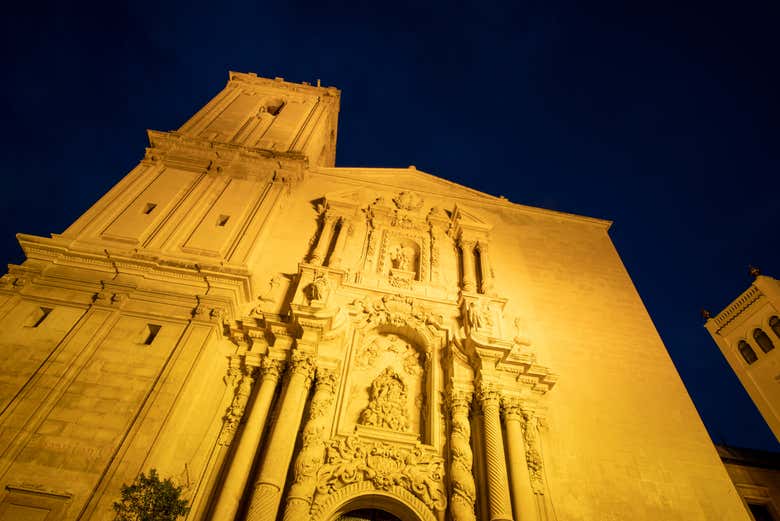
point(484, 265)
point(267, 491)
point(467, 248)
point(312, 452)
point(321, 250)
point(463, 491)
point(341, 241)
point(497, 479)
point(238, 473)
point(523, 499)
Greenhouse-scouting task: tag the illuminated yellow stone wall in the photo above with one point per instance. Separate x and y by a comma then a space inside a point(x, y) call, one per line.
point(290, 340)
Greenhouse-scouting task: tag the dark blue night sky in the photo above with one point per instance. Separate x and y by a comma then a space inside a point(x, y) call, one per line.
point(662, 118)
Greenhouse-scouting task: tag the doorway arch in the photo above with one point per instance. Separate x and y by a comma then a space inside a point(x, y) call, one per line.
point(396, 501)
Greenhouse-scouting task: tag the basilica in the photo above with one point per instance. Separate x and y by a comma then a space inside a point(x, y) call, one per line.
point(286, 339)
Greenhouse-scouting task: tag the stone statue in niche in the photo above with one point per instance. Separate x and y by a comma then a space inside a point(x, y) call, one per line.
point(478, 316)
point(401, 258)
point(388, 403)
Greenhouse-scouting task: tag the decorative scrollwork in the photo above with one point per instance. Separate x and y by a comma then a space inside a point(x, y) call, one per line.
point(395, 310)
point(351, 460)
point(533, 455)
point(234, 414)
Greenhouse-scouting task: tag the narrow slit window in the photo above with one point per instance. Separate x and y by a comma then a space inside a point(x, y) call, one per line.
point(151, 333)
point(223, 219)
point(478, 272)
point(149, 208)
point(38, 316)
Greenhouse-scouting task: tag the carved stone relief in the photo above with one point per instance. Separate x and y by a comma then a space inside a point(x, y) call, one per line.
point(388, 403)
point(386, 384)
point(241, 381)
point(351, 460)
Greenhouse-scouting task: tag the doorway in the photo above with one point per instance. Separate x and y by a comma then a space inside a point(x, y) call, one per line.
point(367, 514)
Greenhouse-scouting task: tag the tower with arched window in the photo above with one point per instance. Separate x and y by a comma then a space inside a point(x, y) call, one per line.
point(748, 333)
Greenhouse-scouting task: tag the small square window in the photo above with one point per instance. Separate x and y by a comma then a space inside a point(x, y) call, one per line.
point(37, 317)
point(149, 208)
point(151, 333)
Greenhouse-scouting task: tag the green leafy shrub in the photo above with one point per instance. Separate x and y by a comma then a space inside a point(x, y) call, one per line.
point(150, 499)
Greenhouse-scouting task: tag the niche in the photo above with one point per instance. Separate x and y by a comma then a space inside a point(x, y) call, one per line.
point(387, 385)
point(403, 260)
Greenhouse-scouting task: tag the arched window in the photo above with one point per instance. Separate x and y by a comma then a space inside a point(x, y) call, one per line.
point(774, 323)
point(763, 340)
point(747, 352)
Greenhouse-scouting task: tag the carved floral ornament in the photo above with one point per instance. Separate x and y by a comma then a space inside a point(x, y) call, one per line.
point(395, 310)
point(351, 460)
point(408, 201)
point(303, 364)
point(370, 352)
point(240, 379)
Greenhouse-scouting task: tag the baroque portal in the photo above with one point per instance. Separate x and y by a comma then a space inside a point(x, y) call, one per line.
point(290, 340)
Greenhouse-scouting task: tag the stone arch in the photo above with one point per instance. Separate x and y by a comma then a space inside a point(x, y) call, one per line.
point(404, 317)
point(397, 501)
point(388, 354)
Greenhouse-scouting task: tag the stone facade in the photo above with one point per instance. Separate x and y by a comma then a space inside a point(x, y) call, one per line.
point(292, 340)
point(747, 333)
point(756, 475)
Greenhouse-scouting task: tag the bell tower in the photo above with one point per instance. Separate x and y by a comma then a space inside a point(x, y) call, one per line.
point(287, 340)
point(271, 115)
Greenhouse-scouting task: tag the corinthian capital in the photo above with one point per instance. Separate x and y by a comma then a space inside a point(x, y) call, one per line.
point(302, 363)
point(326, 379)
point(271, 368)
point(488, 395)
point(513, 409)
point(458, 402)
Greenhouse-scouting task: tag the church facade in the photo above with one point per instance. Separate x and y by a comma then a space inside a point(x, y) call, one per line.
point(291, 340)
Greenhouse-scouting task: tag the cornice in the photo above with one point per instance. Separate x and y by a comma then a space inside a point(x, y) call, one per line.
point(736, 308)
point(251, 78)
point(208, 276)
point(178, 150)
point(359, 177)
